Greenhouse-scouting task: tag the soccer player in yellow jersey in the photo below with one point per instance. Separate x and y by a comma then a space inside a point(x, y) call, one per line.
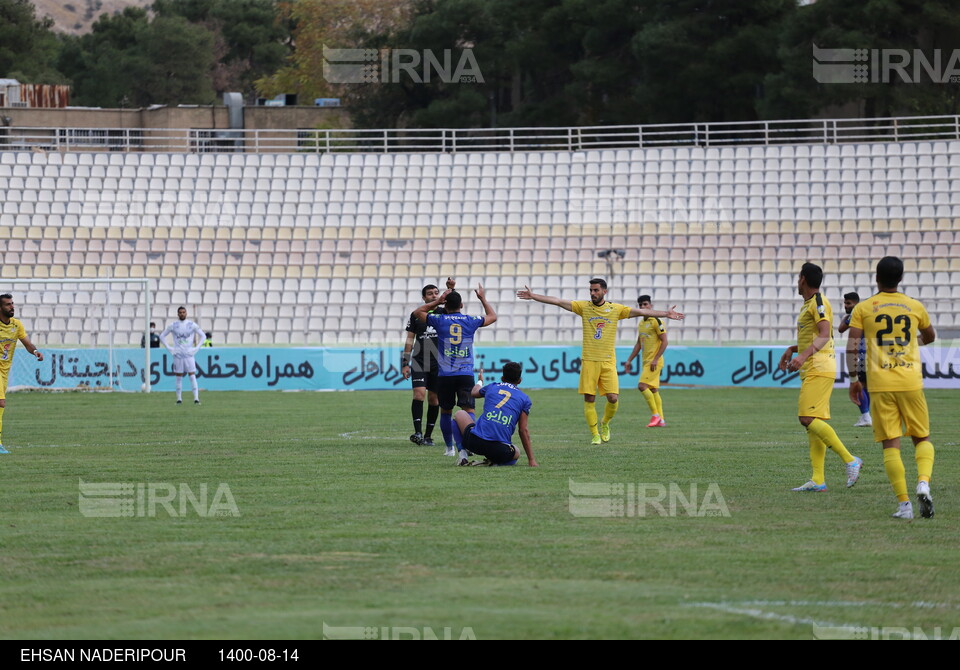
point(818, 369)
point(895, 326)
point(599, 357)
point(652, 338)
point(11, 330)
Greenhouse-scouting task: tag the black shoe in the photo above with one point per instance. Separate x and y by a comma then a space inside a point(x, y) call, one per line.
point(417, 438)
point(196, 402)
point(427, 442)
point(179, 402)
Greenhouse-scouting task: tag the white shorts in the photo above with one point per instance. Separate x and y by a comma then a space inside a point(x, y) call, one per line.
point(184, 365)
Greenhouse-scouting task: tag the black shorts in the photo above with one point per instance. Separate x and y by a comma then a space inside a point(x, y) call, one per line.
point(425, 378)
point(455, 391)
point(862, 376)
point(495, 452)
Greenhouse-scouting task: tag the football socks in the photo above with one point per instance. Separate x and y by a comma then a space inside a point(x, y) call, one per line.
point(659, 399)
point(590, 412)
point(893, 464)
point(923, 454)
point(610, 411)
point(829, 437)
point(648, 395)
point(818, 453)
point(446, 427)
point(416, 410)
point(432, 412)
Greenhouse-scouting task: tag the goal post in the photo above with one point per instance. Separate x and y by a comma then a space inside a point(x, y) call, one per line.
point(89, 331)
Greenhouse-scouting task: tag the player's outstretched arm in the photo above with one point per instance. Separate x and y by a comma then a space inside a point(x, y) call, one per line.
point(928, 335)
point(527, 294)
point(489, 314)
point(672, 313)
point(525, 439)
point(422, 311)
point(30, 348)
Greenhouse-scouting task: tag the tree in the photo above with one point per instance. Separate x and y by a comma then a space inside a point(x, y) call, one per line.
point(28, 46)
point(893, 24)
point(330, 23)
point(128, 60)
point(251, 38)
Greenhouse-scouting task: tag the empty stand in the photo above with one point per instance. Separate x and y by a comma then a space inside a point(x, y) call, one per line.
point(334, 248)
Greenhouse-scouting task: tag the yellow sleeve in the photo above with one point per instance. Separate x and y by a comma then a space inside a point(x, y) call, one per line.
point(577, 307)
point(21, 331)
point(856, 317)
point(624, 313)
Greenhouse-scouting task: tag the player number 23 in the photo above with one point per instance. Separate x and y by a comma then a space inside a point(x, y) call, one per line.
point(456, 333)
point(900, 319)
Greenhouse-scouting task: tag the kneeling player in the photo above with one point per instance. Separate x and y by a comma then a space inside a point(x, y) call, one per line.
point(505, 409)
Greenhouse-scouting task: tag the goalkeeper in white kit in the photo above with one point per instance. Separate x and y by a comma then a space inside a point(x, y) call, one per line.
point(185, 345)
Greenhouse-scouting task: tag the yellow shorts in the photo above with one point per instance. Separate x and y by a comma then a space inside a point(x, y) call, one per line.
point(599, 373)
point(651, 378)
point(897, 413)
point(3, 385)
point(815, 397)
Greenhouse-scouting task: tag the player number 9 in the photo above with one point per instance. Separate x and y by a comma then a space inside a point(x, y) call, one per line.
point(456, 333)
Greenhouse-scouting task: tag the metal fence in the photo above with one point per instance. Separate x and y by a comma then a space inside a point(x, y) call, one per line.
point(452, 140)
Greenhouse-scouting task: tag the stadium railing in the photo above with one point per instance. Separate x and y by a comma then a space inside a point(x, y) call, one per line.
point(452, 140)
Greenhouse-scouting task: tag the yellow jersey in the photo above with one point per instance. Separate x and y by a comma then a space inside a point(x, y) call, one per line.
point(10, 334)
point(890, 323)
point(649, 331)
point(824, 362)
point(599, 328)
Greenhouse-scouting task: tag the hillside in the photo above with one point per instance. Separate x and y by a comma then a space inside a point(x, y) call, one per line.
point(77, 16)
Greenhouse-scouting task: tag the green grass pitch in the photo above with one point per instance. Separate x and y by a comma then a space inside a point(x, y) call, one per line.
point(343, 522)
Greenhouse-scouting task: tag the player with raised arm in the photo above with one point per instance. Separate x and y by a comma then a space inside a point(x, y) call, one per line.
point(419, 364)
point(652, 339)
point(187, 340)
point(11, 332)
point(817, 365)
point(455, 333)
point(505, 410)
point(599, 366)
point(850, 301)
point(895, 326)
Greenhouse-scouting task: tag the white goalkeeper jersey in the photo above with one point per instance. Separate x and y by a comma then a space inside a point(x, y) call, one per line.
point(183, 338)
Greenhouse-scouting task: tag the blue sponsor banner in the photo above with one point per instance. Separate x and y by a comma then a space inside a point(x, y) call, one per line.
point(377, 368)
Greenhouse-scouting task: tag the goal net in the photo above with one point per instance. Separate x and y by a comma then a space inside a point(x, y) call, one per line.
point(89, 330)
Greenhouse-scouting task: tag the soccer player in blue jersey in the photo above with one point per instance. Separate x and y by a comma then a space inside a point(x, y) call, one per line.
point(505, 410)
point(455, 332)
point(850, 301)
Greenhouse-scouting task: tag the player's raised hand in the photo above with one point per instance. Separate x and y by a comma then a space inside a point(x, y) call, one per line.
point(451, 283)
point(480, 374)
point(480, 293)
point(674, 314)
point(525, 294)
